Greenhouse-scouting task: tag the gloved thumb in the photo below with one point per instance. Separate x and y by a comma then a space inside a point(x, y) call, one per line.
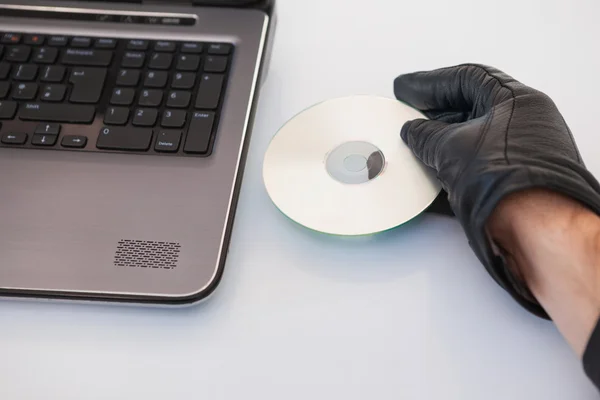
point(423, 138)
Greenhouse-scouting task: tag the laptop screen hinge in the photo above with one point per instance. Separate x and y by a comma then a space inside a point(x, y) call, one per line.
point(97, 15)
point(170, 2)
point(260, 4)
point(265, 5)
point(205, 3)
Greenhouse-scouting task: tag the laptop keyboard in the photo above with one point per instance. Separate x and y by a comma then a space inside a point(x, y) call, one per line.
point(111, 95)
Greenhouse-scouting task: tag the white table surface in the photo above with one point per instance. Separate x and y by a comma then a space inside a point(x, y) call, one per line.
point(409, 314)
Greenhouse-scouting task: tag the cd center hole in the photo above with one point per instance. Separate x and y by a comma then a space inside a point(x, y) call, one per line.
point(355, 163)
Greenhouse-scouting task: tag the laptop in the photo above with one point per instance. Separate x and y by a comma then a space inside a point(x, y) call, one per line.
point(123, 133)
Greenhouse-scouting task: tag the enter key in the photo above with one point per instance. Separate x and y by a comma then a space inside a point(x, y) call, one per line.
point(87, 84)
point(200, 132)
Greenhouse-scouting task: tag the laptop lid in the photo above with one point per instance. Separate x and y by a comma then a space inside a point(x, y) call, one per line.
point(219, 3)
point(48, 12)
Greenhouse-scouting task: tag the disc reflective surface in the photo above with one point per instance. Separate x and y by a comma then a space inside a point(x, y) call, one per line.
point(340, 167)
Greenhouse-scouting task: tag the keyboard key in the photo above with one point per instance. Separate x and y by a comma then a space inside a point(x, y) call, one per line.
point(133, 59)
point(14, 138)
point(7, 109)
point(215, 64)
point(81, 42)
point(44, 140)
point(179, 99)
point(145, 117)
point(167, 141)
point(54, 112)
point(128, 77)
point(18, 53)
point(209, 92)
point(25, 91)
point(183, 80)
point(4, 89)
point(168, 47)
point(87, 84)
point(191, 48)
point(25, 72)
point(150, 98)
point(187, 62)
point(34, 40)
point(122, 97)
point(116, 116)
point(53, 73)
point(105, 44)
point(4, 70)
point(45, 55)
point(156, 79)
point(161, 61)
point(87, 57)
point(11, 38)
point(124, 138)
point(58, 41)
point(174, 119)
point(198, 138)
point(219, 48)
point(47, 129)
point(74, 141)
point(137, 45)
point(53, 93)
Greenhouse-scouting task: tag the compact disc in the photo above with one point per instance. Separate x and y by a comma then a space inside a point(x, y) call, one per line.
point(341, 167)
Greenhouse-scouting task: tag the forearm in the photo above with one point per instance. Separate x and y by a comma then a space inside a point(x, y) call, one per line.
point(553, 244)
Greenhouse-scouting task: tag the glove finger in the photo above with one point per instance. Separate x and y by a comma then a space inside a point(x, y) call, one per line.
point(441, 205)
point(450, 117)
point(422, 137)
point(468, 87)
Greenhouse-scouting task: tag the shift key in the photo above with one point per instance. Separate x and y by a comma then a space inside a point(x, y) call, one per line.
point(53, 112)
point(198, 137)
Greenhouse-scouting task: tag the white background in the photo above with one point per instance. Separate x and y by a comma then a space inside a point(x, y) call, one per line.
point(409, 314)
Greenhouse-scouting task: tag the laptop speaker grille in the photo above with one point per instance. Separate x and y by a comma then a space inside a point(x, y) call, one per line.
point(147, 254)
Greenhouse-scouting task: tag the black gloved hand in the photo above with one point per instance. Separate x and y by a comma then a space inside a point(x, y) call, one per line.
point(488, 136)
point(441, 205)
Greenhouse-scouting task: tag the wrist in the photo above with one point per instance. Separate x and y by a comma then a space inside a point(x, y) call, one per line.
point(552, 244)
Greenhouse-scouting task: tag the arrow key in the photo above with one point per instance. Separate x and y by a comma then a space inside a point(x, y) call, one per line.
point(48, 129)
point(14, 138)
point(44, 140)
point(74, 141)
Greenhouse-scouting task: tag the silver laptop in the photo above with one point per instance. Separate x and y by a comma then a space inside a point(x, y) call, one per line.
point(124, 127)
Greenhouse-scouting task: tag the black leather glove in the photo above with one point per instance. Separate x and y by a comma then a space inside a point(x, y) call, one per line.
point(441, 205)
point(487, 136)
